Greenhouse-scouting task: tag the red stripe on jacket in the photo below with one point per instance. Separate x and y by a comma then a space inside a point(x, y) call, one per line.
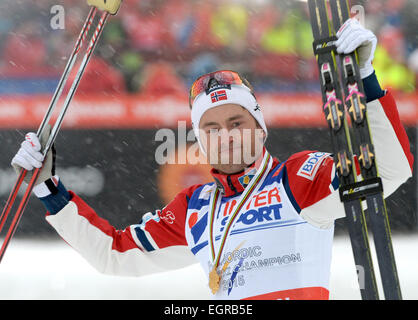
point(389, 107)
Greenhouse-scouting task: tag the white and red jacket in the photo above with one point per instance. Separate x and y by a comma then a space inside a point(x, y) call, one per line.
point(286, 229)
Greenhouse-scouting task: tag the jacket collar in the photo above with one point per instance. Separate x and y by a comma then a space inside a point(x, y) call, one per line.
point(232, 184)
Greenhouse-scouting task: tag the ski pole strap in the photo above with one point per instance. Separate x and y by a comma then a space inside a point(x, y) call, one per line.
point(111, 6)
point(361, 189)
point(324, 45)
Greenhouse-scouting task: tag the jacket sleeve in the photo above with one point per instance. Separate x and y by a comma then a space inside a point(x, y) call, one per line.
point(315, 188)
point(156, 244)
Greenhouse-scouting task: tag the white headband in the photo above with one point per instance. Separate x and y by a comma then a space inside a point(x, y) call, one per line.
point(237, 94)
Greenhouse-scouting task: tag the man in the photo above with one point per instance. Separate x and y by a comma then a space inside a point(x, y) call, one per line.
point(264, 228)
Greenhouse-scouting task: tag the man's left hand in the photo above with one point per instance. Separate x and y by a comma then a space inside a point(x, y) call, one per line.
point(351, 36)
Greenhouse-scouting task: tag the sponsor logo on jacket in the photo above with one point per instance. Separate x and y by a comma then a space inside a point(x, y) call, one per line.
point(311, 165)
point(263, 207)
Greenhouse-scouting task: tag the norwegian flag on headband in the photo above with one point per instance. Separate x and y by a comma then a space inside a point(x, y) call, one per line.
point(218, 96)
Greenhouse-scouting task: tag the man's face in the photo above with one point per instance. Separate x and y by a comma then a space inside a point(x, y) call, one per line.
point(231, 137)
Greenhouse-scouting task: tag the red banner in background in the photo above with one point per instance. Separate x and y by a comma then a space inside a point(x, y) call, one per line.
point(139, 111)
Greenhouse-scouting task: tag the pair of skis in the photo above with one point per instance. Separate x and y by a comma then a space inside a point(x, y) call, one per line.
point(339, 73)
point(108, 7)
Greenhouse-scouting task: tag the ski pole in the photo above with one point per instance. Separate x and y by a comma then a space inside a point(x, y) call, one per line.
point(110, 7)
point(53, 103)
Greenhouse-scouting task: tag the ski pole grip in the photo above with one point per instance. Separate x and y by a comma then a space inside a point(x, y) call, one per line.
point(111, 6)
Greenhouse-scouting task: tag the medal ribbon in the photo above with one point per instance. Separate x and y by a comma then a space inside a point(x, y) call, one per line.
point(267, 162)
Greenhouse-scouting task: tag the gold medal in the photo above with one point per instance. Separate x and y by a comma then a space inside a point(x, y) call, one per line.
point(214, 280)
point(215, 277)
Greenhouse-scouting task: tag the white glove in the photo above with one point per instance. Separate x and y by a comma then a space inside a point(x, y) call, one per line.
point(351, 36)
point(30, 157)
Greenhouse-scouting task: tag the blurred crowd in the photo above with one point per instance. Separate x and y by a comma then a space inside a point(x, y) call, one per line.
point(161, 46)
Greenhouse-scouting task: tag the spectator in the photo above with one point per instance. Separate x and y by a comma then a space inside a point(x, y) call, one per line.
point(179, 22)
point(272, 40)
point(201, 39)
point(229, 25)
point(130, 64)
point(146, 28)
point(292, 36)
point(261, 21)
point(99, 78)
point(409, 26)
point(160, 78)
point(390, 63)
point(393, 74)
point(202, 64)
point(24, 50)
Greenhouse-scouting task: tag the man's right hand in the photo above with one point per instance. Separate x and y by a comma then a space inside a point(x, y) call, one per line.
point(30, 157)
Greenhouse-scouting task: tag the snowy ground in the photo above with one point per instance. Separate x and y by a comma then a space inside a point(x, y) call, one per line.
point(52, 270)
